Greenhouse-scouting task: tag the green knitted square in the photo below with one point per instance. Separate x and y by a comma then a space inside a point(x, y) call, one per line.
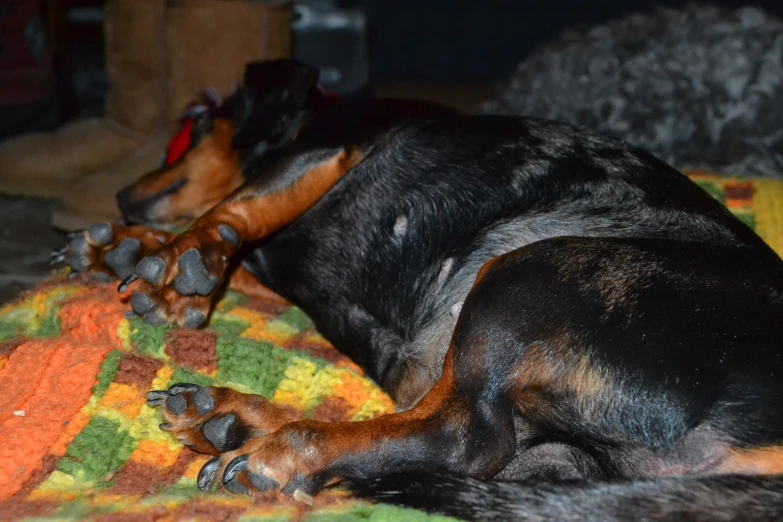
point(147, 339)
point(227, 327)
point(106, 373)
point(187, 376)
point(258, 366)
point(296, 318)
point(102, 447)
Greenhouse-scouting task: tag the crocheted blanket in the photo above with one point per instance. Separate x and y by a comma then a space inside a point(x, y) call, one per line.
point(77, 441)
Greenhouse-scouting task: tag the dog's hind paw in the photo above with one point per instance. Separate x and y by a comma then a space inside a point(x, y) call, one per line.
point(290, 460)
point(214, 420)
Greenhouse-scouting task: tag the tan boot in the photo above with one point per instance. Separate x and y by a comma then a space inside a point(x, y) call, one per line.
point(208, 44)
point(46, 164)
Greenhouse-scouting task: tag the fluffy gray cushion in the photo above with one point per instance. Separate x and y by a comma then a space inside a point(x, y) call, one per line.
point(700, 87)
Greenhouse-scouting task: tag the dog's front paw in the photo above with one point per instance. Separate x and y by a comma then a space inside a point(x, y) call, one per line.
point(105, 251)
point(180, 280)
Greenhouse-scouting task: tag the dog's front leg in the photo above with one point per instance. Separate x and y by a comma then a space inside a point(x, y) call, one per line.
point(179, 280)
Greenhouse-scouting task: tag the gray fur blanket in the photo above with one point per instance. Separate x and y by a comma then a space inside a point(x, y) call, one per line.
point(700, 87)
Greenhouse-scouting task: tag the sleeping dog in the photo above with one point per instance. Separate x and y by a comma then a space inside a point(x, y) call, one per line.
point(548, 307)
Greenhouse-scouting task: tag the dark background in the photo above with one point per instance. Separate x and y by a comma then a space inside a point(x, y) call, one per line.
point(455, 51)
point(464, 40)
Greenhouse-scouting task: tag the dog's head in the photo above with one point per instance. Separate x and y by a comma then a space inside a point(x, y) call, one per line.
point(201, 165)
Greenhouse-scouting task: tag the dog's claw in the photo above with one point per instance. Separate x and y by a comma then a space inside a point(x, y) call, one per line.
point(180, 387)
point(57, 252)
point(126, 282)
point(156, 397)
point(234, 467)
point(157, 394)
point(57, 260)
point(208, 474)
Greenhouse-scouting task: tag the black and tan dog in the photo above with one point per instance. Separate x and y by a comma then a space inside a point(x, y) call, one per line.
point(546, 305)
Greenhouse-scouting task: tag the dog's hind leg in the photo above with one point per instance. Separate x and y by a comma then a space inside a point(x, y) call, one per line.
point(180, 279)
point(450, 429)
point(464, 424)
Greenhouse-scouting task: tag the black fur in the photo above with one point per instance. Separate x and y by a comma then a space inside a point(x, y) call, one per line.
point(670, 297)
point(624, 325)
point(722, 498)
point(457, 180)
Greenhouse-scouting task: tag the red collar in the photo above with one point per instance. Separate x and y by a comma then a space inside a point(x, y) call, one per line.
point(180, 143)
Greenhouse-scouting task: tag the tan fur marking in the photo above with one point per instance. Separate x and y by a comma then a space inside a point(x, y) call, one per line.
point(212, 173)
point(765, 461)
point(256, 217)
point(554, 369)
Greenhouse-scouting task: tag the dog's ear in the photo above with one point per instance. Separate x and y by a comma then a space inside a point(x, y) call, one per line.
point(272, 98)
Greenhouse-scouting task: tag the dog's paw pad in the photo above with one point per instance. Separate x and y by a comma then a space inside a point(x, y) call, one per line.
point(141, 303)
point(101, 234)
point(78, 245)
point(194, 278)
point(78, 249)
point(222, 432)
point(100, 277)
point(176, 404)
point(228, 234)
point(298, 483)
point(262, 482)
point(235, 487)
point(122, 259)
point(151, 269)
point(203, 401)
point(154, 318)
point(194, 318)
